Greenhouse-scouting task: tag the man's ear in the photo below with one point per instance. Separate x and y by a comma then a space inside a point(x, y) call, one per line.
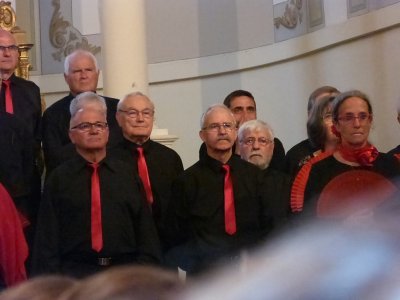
point(71, 137)
point(201, 135)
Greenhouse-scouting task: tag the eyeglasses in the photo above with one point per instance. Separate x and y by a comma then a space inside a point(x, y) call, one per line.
point(261, 141)
point(350, 118)
point(228, 126)
point(10, 48)
point(86, 126)
point(133, 113)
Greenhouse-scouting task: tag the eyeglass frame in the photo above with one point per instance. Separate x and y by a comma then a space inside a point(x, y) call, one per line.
point(215, 127)
point(9, 48)
point(131, 112)
point(261, 141)
point(362, 117)
point(96, 126)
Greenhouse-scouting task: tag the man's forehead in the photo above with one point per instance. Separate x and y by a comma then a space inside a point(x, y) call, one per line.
point(219, 113)
point(137, 101)
point(242, 101)
point(259, 132)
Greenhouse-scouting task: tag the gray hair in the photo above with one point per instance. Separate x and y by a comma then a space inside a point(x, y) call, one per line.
point(79, 52)
point(339, 100)
point(212, 108)
point(79, 102)
point(133, 94)
point(254, 125)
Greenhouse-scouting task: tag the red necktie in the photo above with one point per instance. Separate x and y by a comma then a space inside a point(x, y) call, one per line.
point(8, 97)
point(96, 229)
point(229, 203)
point(144, 175)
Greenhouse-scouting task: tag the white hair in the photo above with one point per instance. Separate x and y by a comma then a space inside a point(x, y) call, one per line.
point(79, 52)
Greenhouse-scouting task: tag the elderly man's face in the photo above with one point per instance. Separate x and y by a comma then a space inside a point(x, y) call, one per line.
point(257, 147)
point(219, 132)
point(8, 55)
point(136, 118)
point(82, 75)
point(244, 109)
point(89, 133)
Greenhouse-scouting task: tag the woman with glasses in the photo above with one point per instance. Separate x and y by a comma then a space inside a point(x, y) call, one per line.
point(349, 182)
point(320, 136)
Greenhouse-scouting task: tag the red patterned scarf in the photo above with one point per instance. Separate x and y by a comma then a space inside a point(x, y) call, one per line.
point(364, 156)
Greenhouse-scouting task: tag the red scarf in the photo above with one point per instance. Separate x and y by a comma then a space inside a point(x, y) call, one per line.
point(364, 156)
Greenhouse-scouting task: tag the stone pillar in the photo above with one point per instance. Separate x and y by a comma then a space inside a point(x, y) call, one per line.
point(123, 47)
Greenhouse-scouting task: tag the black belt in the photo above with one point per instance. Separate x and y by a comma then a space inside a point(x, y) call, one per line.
point(104, 261)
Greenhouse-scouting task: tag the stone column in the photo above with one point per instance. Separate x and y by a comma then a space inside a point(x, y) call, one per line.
point(123, 47)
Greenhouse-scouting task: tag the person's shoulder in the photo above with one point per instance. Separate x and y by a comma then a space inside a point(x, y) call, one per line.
point(395, 150)
point(110, 100)
point(162, 148)
point(303, 146)
point(25, 82)
point(61, 105)
point(65, 170)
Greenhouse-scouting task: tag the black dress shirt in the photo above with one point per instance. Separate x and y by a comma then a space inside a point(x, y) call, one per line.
point(276, 189)
point(199, 207)
point(164, 165)
point(27, 105)
point(16, 157)
point(28, 109)
point(57, 146)
point(63, 240)
point(297, 156)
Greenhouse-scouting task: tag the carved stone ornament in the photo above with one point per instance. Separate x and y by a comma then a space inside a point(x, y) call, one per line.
point(292, 15)
point(7, 16)
point(64, 37)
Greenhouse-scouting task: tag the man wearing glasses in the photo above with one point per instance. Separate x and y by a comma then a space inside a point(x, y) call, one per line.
point(217, 201)
point(81, 73)
point(93, 215)
point(21, 112)
point(156, 164)
point(256, 143)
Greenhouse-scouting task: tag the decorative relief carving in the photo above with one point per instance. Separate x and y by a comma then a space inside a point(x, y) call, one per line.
point(292, 15)
point(64, 37)
point(7, 16)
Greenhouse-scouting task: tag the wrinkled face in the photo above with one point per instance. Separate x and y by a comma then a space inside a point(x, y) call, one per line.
point(88, 139)
point(354, 122)
point(219, 132)
point(257, 147)
point(136, 117)
point(244, 109)
point(8, 55)
point(82, 75)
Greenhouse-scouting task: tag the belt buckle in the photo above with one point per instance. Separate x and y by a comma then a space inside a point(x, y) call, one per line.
point(104, 261)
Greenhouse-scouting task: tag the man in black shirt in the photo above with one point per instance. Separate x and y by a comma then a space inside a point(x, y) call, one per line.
point(135, 115)
point(26, 108)
point(256, 142)
point(67, 240)
point(81, 73)
point(202, 210)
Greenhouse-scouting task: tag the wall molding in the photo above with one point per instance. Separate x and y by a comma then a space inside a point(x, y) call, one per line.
point(328, 36)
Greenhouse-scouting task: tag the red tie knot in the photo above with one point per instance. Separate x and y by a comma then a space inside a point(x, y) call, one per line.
point(7, 82)
point(226, 168)
point(94, 166)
